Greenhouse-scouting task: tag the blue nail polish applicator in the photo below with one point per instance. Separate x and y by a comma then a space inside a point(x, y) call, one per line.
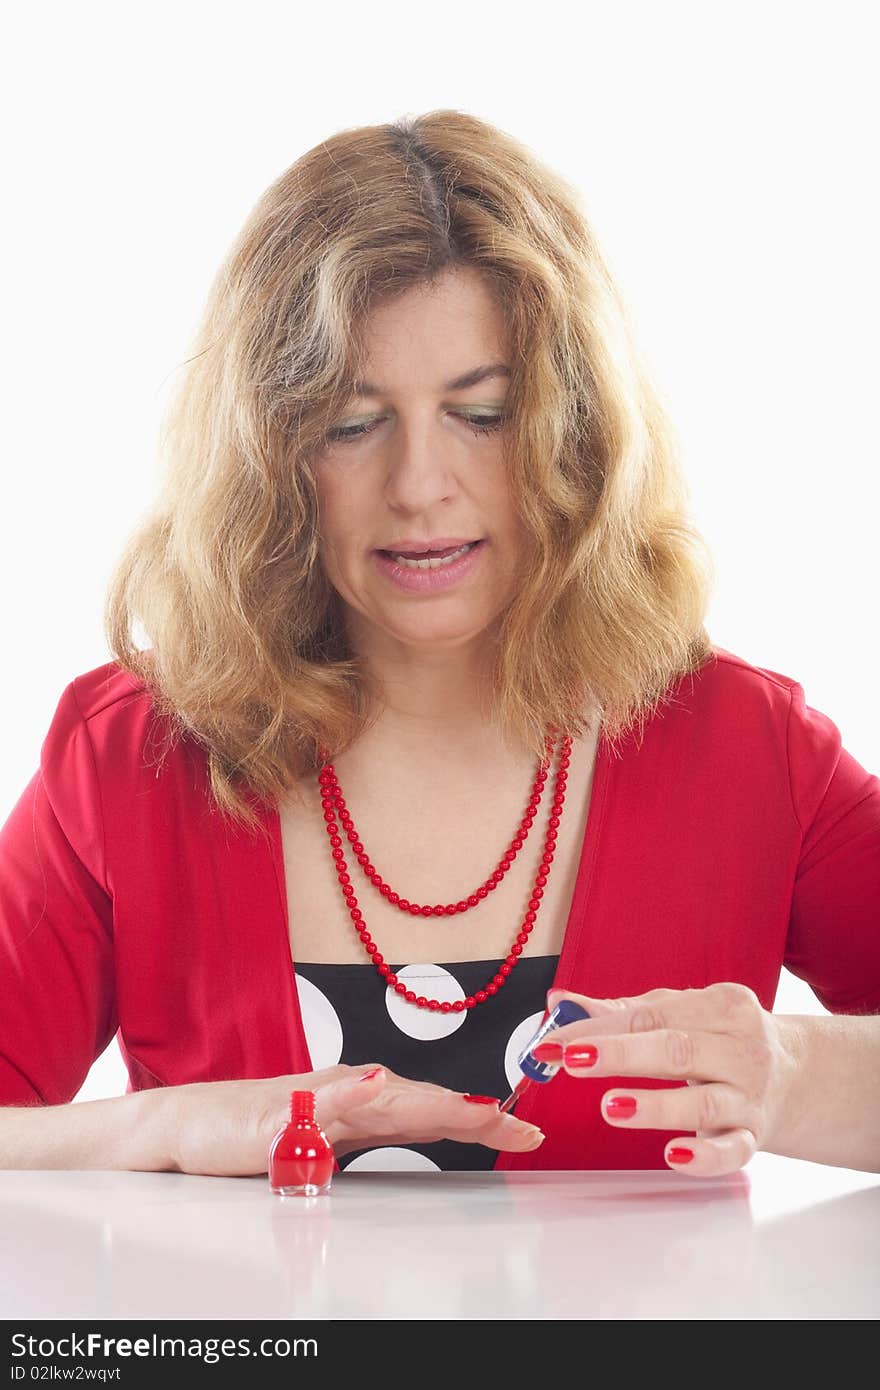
point(566, 1011)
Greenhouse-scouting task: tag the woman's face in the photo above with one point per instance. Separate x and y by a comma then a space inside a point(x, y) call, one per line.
point(426, 472)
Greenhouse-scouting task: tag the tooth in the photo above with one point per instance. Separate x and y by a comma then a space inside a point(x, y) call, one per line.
point(434, 563)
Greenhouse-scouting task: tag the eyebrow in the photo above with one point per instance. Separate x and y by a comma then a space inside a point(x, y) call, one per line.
point(461, 383)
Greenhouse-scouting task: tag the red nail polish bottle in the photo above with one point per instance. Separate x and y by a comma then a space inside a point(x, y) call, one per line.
point(301, 1157)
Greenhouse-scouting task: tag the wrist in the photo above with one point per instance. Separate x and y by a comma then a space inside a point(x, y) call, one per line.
point(148, 1141)
point(827, 1108)
point(789, 1101)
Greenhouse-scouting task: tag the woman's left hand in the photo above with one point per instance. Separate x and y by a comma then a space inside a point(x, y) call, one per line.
point(732, 1053)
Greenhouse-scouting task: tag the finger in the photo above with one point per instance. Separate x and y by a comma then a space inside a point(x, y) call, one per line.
point(670, 1052)
point(706, 1107)
point(425, 1113)
point(337, 1099)
point(469, 1120)
point(592, 1006)
point(726, 1007)
point(711, 1157)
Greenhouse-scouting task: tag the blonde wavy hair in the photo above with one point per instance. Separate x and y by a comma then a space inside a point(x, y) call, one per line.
point(249, 652)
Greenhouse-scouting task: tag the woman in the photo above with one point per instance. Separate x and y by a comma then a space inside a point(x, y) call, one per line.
point(430, 725)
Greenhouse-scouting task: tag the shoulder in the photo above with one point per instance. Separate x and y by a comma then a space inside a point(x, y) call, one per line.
point(105, 704)
point(726, 675)
point(727, 694)
point(106, 725)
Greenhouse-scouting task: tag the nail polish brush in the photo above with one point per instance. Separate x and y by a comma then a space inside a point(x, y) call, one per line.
point(566, 1011)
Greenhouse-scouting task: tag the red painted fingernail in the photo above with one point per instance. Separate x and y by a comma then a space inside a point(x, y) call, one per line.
point(679, 1155)
point(482, 1100)
point(548, 1052)
point(620, 1107)
point(581, 1055)
point(365, 1075)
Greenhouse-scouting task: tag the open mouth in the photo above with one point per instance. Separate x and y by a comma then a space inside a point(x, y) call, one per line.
point(431, 559)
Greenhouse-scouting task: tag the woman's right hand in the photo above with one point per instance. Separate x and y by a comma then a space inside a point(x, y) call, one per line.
point(225, 1128)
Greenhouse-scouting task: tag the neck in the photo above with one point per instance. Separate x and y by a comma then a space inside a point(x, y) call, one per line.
point(435, 700)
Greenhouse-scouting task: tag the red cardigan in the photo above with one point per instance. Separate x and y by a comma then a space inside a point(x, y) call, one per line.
point(738, 836)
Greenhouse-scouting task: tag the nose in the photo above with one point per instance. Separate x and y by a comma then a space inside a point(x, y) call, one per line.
point(419, 465)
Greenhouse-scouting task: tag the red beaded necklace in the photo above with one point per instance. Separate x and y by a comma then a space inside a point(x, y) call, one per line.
point(333, 802)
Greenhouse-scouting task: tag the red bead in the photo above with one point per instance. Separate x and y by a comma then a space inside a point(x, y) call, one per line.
point(385, 970)
point(504, 969)
point(492, 989)
point(410, 996)
point(422, 1001)
point(446, 1007)
point(458, 1006)
point(377, 958)
point(400, 987)
point(516, 949)
point(480, 996)
point(392, 978)
point(470, 1002)
point(434, 1005)
point(473, 900)
point(499, 980)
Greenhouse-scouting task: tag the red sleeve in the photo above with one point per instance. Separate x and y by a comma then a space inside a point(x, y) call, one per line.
point(834, 929)
point(58, 1009)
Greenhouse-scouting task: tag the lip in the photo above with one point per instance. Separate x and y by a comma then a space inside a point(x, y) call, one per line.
point(435, 543)
point(429, 581)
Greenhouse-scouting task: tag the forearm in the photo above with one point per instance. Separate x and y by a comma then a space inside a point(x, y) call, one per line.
point(127, 1132)
point(831, 1108)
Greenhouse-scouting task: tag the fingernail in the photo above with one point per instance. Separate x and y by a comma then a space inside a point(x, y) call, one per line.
point(679, 1155)
point(482, 1100)
point(539, 1139)
point(548, 1052)
point(620, 1107)
point(581, 1055)
point(367, 1075)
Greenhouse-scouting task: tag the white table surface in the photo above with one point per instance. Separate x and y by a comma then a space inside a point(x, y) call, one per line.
point(781, 1239)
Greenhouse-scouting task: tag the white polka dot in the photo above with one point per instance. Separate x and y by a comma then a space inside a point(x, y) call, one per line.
point(392, 1160)
point(320, 1023)
point(426, 1024)
point(520, 1038)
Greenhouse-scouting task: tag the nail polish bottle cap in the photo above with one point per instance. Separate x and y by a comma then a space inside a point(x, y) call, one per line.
point(566, 1011)
point(302, 1106)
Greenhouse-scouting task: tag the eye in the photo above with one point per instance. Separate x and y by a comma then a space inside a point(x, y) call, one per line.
point(477, 424)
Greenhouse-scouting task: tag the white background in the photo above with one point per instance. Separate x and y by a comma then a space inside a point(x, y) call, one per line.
point(725, 155)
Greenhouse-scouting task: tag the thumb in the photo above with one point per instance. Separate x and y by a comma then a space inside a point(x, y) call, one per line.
point(592, 1006)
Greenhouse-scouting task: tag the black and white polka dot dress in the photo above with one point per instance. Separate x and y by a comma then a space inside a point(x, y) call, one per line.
point(349, 1015)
